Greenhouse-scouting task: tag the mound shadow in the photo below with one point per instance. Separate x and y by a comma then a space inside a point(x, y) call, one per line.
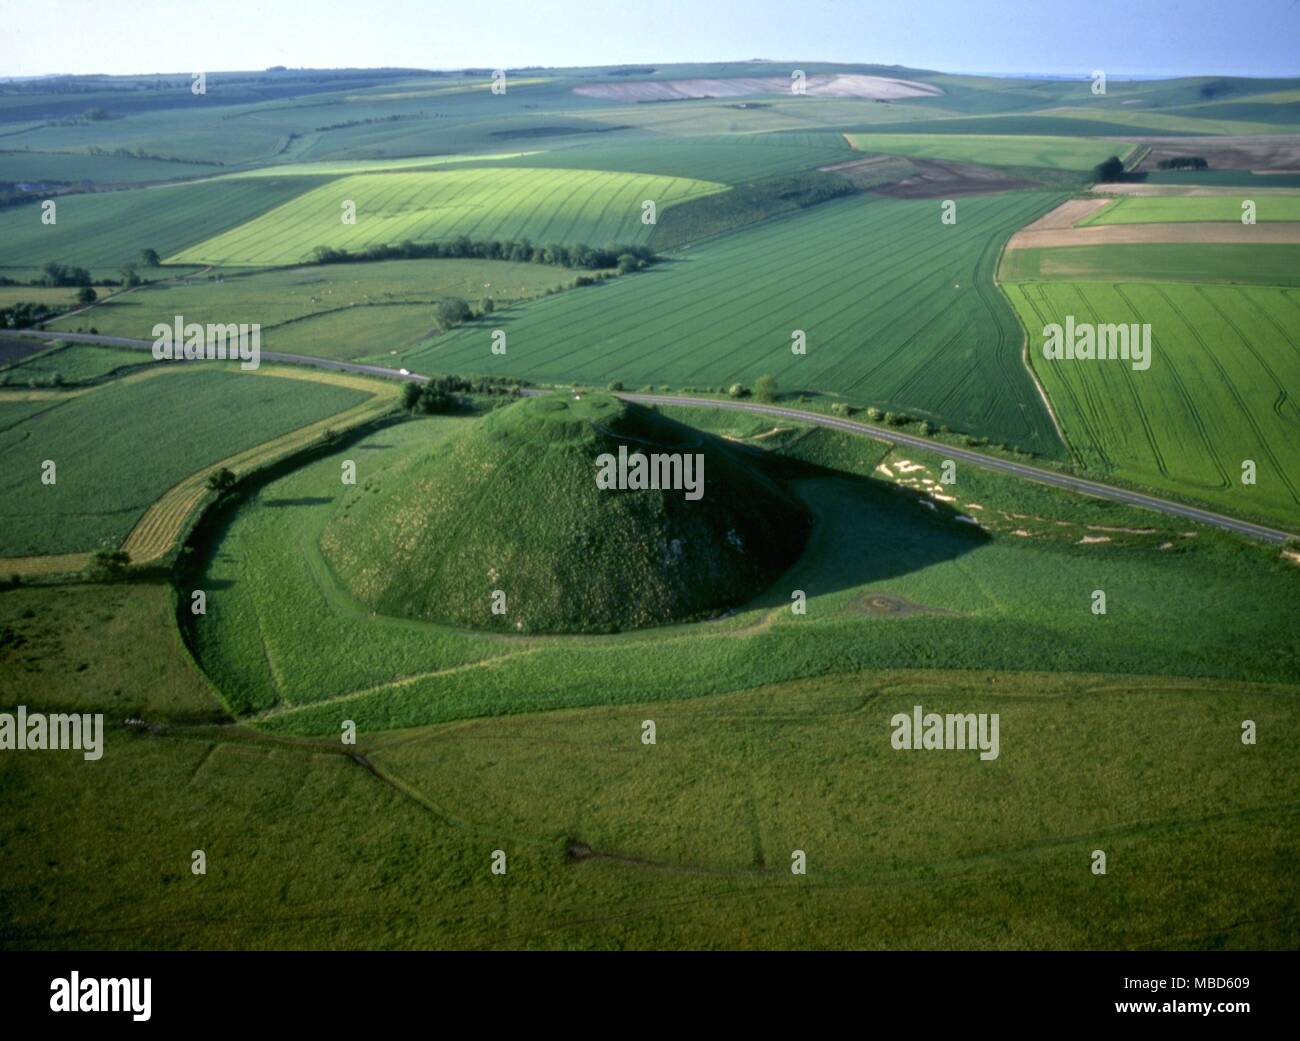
point(305, 500)
point(865, 531)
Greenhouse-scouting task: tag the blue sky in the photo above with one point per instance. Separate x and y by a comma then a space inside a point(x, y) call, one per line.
point(1124, 37)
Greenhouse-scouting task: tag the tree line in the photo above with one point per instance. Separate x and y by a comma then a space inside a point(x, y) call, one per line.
point(445, 393)
point(625, 257)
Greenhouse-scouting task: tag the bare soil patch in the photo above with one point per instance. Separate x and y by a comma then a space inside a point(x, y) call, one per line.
point(873, 171)
point(1067, 215)
point(829, 86)
point(933, 179)
point(895, 606)
point(1242, 152)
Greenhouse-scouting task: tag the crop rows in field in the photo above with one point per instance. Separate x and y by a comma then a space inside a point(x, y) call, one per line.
point(898, 309)
point(1225, 362)
point(1155, 209)
point(546, 206)
point(1276, 265)
point(118, 447)
point(1057, 153)
point(108, 229)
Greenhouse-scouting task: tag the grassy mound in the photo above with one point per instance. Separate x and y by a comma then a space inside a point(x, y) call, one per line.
point(511, 504)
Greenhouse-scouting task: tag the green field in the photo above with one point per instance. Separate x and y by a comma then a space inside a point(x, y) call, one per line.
point(1056, 153)
point(51, 296)
point(76, 167)
point(1222, 179)
point(917, 325)
point(118, 447)
point(1224, 361)
point(733, 159)
point(569, 206)
point(1147, 209)
point(109, 229)
point(331, 310)
point(1188, 121)
point(72, 364)
point(1270, 265)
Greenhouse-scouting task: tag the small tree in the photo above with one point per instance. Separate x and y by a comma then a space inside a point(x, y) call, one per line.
point(488, 306)
point(410, 395)
point(150, 258)
point(221, 481)
point(1111, 169)
point(452, 312)
point(738, 390)
point(765, 388)
point(435, 402)
point(86, 295)
point(107, 564)
point(615, 385)
point(874, 414)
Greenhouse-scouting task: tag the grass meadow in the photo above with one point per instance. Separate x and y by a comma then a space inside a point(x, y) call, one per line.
point(691, 839)
point(891, 583)
point(685, 843)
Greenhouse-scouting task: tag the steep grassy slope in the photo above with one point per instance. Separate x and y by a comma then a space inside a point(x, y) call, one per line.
point(513, 506)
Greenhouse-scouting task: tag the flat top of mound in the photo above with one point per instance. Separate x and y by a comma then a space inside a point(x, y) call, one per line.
point(504, 526)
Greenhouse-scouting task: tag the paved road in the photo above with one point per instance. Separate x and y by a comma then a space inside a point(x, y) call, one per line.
point(1032, 473)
